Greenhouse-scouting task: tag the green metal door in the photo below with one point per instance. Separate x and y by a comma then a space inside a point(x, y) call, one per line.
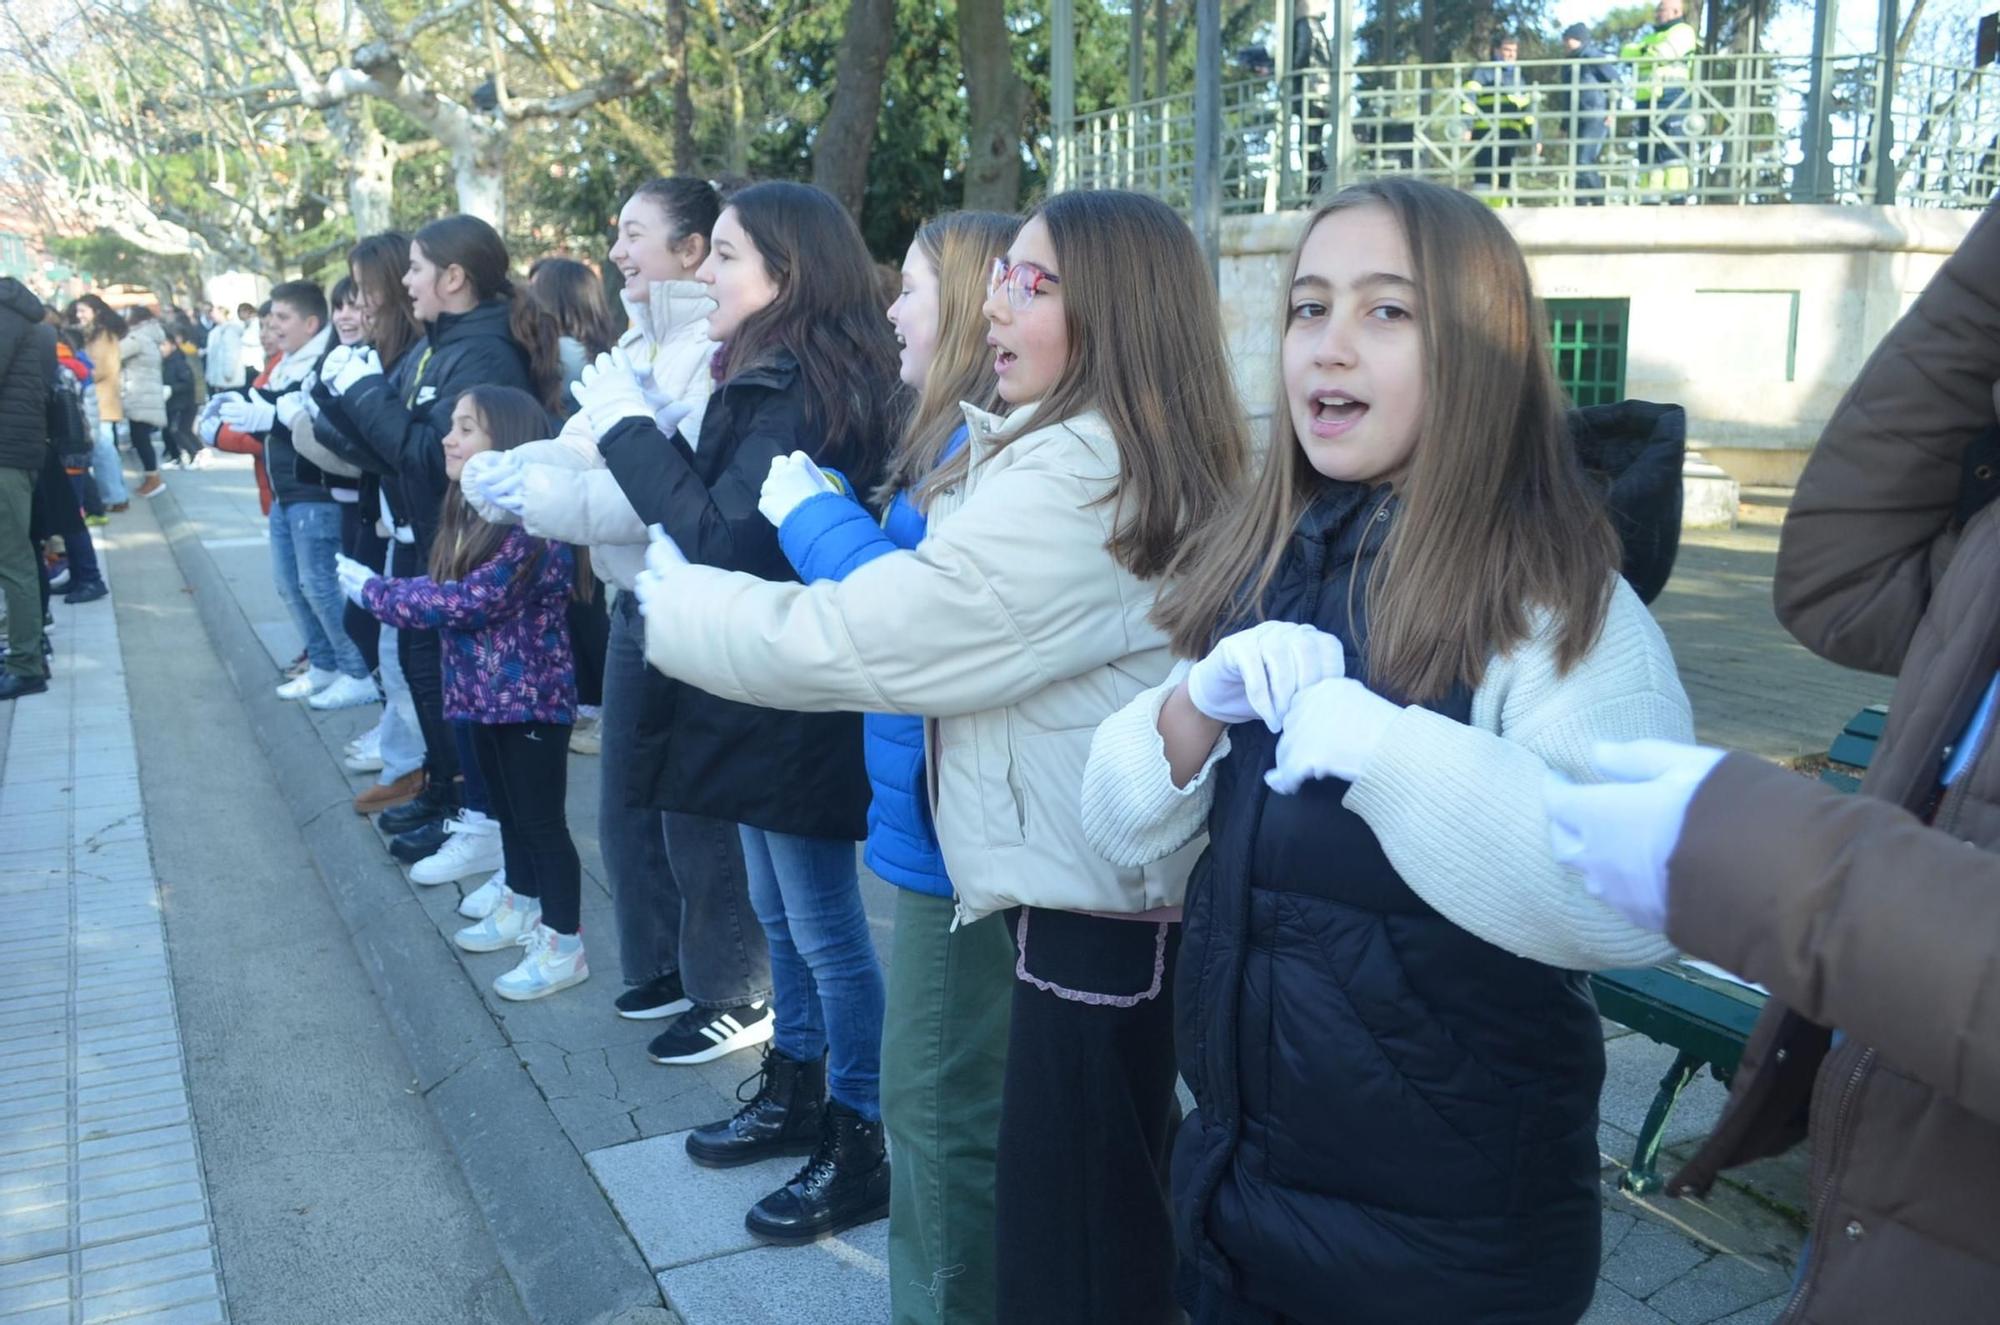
point(1587, 338)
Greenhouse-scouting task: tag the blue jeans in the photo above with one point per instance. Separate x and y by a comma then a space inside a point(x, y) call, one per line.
point(402, 738)
point(305, 538)
point(826, 983)
point(105, 466)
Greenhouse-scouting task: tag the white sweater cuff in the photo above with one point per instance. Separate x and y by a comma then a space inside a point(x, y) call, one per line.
point(1133, 814)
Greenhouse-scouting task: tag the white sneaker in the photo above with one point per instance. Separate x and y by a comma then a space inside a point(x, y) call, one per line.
point(307, 683)
point(471, 846)
point(515, 916)
point(365, 762)
point(482, 901)
point(345, 693)
point(544, 970)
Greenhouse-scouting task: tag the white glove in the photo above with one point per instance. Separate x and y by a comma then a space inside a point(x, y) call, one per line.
point(667, 411)
point(251, 413)
point(487, 475)
point(206, 427)
point(166, 393)
point(506, 488)
point(335, 360)
point(1332, 730)
point(362, 364)
point(353, 575)
point(1620, 834)
point(1256, 673)
point(793, 481)
point(662, 556)
point(289, 407)
point(609, 395)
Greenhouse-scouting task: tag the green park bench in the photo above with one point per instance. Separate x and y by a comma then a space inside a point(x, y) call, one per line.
point(1706, 1018)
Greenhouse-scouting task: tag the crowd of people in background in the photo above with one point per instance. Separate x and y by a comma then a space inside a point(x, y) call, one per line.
point(1188, 758)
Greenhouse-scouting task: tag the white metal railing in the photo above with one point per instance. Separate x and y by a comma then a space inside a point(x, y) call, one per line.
point(1733, 133)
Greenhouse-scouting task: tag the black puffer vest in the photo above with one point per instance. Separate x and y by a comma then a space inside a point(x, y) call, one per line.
point(1397, 1121)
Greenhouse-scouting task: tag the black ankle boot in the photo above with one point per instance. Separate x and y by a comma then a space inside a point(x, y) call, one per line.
point(846, 1182)
point(782, 1118)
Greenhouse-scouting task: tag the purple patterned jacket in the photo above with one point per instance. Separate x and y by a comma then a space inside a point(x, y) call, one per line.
point(505, 633)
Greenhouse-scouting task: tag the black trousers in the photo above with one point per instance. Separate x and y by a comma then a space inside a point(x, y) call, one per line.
point(422, 659)
point(590, 640)
point(359, 540)
point(142, 442)
point(1082, 1229)
point(526, 767)
point(56, 512)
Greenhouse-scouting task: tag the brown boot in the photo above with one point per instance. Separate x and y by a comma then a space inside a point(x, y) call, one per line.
point(386, 795)
point(152, 487)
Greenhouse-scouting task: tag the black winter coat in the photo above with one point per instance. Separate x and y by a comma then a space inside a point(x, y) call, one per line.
point(395, 425)
point(1397, 1121)
point(797, 773)
point(27, 375)
point(1634, 450)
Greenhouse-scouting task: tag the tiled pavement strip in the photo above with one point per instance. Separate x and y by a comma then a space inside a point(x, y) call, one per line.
point(103, 1207)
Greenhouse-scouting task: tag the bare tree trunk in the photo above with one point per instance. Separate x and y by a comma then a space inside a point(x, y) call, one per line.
point(994, 100)
point(677, 44)
point(371, 165)
point(478, 165)
point(847, 134)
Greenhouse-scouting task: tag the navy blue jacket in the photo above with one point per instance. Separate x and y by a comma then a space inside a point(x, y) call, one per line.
point(1397, 1121)
point(395, 425)
point(826, 538)
point(1590, 80)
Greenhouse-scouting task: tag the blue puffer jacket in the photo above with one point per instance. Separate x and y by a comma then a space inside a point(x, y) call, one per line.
point(825, 538)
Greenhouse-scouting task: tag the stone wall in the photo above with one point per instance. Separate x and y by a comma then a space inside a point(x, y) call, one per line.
point(1756, 319)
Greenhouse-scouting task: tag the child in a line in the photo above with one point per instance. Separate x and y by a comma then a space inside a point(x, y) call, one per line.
point(497, 597)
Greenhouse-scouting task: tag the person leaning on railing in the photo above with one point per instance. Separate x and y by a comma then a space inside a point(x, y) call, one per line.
point(1501, 108)
point(1660, 66)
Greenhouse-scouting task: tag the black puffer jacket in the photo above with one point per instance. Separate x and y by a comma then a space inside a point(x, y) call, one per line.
point(1634, 449)
point(798, 773)
point(1397, 1121)
point(396, 424)
point(27, 375)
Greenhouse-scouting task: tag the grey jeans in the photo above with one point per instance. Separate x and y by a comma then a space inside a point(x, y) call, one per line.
point(677, 881)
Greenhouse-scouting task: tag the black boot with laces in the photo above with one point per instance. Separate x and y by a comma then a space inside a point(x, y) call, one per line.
point(782, 1118)
point(846, 1182)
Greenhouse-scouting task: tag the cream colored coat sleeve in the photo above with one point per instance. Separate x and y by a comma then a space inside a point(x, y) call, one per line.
point(578, 506)
point(1458, 807)
point(1010, 592)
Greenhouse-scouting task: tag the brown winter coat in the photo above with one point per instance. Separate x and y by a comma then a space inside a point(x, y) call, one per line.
point(1852, 912)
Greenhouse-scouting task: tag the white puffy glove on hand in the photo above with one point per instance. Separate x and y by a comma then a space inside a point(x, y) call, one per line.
point(1332, 730)
point(1619, 834)
point(662, 556)
point(290, 406)
point(485, 476)
point(362, 363)
point(353, 575)
point(206, 427)
point(793, 481)
point(608, 395)
point(667, 411)
point(1256, 673)
point(335, 360)
point(251, 413)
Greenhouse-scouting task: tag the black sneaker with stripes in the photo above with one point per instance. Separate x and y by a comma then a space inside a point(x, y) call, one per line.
point(701, 1035)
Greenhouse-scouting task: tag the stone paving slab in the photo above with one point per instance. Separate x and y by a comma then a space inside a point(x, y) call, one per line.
point(103, 1206)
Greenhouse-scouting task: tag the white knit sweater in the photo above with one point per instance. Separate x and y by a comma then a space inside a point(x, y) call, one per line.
point(1456, 806)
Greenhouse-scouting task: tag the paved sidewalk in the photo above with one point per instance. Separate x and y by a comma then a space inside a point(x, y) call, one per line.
point(1726, 1259)
point(103, 1207)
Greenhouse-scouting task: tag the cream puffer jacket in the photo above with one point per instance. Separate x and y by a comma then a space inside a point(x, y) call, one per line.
point(141, 387)
point(570, 495)
point(1011, 628)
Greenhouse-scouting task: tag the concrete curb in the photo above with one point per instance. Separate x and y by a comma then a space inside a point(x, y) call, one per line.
point(565, 1248)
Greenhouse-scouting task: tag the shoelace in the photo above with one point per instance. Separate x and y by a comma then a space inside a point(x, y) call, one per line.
point(538, 939)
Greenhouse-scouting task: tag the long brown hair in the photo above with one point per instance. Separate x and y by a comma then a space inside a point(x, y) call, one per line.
point(475, 248)
point(377, 265)
point(1496, 519)
point(1146, 352)
point(961, 247)
point(574, 295)
point(827, 315)
point(511, 417)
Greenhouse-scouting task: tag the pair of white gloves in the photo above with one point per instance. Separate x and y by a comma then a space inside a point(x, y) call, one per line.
point(610, 390)
point(1618, 834)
